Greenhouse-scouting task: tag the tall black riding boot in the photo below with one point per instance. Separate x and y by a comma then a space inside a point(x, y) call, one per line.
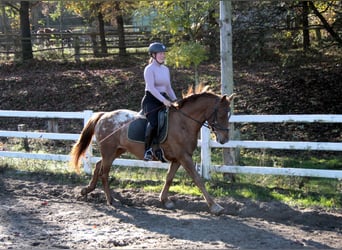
point(149, 134)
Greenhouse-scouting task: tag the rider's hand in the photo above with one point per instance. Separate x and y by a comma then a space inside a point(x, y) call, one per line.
point(167, 103)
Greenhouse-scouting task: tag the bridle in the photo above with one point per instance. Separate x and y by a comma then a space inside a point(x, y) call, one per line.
point(214, 125)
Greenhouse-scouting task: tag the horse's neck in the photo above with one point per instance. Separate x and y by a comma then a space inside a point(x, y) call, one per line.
point(199, 110)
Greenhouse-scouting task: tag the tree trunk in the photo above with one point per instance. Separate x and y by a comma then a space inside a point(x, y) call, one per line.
point(325, 23)
point(212, 35)
point(94, 45)
point(305, 21)
point(121, 31)
point(104, 50)
point(26, 45)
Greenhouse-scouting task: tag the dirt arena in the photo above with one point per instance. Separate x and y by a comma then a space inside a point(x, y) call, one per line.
point(36, 211)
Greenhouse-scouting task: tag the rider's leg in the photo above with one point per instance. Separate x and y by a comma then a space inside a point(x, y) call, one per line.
point(149, 134)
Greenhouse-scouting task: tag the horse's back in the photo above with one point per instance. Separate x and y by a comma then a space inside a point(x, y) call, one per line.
point(113, 121)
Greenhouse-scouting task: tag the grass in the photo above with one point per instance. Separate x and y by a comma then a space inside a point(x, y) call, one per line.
point(292, 190)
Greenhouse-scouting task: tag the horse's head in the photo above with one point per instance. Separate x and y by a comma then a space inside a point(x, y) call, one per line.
point(213, 108)
point(218, 121)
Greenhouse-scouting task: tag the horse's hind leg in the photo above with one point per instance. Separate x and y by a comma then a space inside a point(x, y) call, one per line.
point(168, 181)
point(94, 179)
point(104, 177)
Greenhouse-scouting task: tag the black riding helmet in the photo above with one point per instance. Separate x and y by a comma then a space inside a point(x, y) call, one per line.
point(156, 47)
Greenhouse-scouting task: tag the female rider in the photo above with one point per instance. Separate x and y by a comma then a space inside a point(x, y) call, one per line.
point(158, 92)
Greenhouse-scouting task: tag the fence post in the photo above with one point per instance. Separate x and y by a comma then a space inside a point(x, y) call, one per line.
point(23, 127)
point(52, 125)
point(87, 167)
point(77, 49)
point(205, 152)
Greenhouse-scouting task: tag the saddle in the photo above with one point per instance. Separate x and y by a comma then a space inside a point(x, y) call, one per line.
point(136, 130)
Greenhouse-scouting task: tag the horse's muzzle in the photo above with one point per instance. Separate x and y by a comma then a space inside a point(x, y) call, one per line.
point(222, 139)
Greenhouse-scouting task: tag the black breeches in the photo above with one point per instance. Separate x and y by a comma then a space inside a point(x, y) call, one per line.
point(151, 106)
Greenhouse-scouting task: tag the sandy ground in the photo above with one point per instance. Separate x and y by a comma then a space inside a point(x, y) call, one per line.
point(44, 214)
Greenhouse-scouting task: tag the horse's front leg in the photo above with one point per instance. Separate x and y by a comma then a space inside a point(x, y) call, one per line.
point(188, 165)
point(93, 181)
point(163, 197)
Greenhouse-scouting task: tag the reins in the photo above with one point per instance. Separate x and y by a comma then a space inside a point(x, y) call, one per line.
point(212, 126)
point(113, 132)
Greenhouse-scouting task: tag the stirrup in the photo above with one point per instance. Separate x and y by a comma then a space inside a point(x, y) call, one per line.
point(148, 155)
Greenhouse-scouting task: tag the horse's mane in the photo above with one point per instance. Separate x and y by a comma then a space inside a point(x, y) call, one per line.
point(193, 93)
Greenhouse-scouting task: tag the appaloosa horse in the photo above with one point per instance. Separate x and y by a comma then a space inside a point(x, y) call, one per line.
point(185, 121)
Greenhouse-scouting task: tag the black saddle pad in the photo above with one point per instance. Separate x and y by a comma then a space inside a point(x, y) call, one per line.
point(136, 129)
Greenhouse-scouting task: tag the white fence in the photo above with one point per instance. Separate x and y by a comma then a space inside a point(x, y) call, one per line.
point(290, 145)
point(85, 116)
point(205, 144)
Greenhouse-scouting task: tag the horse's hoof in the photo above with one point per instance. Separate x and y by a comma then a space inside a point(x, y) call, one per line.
point(113, 201)
point(84, 191)
point(216, 209)
point(169, 204)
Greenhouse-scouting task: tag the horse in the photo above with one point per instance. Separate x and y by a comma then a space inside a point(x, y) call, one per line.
point(186, 117)
point(67, 38)
point(45, 35)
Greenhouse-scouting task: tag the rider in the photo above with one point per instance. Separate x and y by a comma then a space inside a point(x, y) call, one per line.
point(158, 92)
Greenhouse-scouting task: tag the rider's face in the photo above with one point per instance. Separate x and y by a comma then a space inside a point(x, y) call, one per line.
point(160, 57)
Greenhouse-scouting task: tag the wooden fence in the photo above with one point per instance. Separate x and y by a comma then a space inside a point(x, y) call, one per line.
point(205, 143)
point(75, 45)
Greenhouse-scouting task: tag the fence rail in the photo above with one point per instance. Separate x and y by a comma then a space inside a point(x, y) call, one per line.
point(73, 44)
point(205, 143)
point(207, 167)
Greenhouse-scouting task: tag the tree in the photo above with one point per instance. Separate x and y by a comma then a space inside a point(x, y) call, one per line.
point(186, 23)
point(305, 21)
point(23, 10)
point(325, 23)
point(121, 30)
point(114, 13)
point(92, 10)
point(187, 54)
point(26, 44)
point(111, 11)
point(314, 13)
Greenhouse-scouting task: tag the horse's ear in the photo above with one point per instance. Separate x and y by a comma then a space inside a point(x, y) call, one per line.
point(231, 97)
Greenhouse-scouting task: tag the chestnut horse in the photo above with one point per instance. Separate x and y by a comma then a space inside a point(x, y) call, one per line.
point(185, 121)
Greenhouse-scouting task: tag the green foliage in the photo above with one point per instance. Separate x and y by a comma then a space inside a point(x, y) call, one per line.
point(185, 21)
point(181, 19)
point(186, 54)
point(89, 9)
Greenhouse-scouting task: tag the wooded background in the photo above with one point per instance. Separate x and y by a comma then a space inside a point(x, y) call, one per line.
point(75, 29)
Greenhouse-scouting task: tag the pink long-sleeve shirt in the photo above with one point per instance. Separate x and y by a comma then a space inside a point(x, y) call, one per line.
point(157, 80)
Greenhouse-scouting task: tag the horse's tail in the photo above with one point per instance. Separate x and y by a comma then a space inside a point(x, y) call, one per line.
point(79, 149)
